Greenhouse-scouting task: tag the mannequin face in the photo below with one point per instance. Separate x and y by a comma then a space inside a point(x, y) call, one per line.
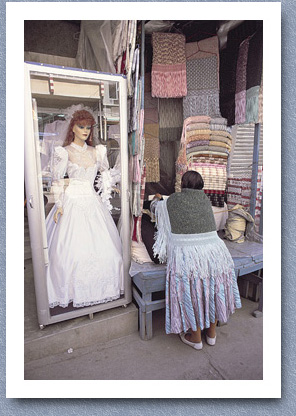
point(81, 131)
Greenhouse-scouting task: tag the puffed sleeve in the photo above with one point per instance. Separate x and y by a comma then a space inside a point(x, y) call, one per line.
point(101, 155)
point(60, 162)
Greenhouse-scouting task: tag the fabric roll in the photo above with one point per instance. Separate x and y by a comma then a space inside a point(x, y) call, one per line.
point(219, 144)
point(195, 150)
point(198, 126)
point(218, 127)
point(168, 77)
point(218, 120)
point(210, 158)
point(197, 132)
point(197, 137)
point(198, 143)
point(210, 153)
point(214, 137)
point(221, 133)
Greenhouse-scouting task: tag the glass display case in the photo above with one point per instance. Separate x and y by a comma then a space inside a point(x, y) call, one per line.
point(52, 95)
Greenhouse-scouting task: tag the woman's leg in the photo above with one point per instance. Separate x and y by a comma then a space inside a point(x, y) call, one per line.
point(194, 336)
point(211, 332)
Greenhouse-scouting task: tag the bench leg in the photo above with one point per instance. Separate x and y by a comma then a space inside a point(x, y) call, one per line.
point(148, 321)
point(148, 318)
point(142, 319)
point(259, 312)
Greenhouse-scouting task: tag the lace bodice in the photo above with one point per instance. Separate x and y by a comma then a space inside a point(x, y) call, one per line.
point(79, 163)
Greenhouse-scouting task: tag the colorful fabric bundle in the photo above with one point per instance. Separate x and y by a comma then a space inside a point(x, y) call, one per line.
point(170, 119)
point(168, 77)
point(205, 151)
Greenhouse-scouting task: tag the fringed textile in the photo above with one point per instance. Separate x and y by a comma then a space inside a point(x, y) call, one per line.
point(200, 281)
point(168, 77)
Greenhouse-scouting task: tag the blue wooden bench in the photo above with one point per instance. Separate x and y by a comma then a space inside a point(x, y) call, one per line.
point(149, 281)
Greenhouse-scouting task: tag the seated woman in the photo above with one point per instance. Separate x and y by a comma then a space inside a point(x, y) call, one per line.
point(201, 285)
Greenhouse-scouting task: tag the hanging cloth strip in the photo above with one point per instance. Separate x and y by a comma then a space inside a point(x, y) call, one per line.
point(254, 76)
point(241, 82)
point(152, 152)
point(202, 78)
point(260, 103)
point(168, 77)
point(170, 119)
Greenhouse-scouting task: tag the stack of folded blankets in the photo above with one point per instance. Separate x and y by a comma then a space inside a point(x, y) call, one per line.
point(205, 147)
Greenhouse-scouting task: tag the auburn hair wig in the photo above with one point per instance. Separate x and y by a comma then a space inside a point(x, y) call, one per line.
point(84, 118)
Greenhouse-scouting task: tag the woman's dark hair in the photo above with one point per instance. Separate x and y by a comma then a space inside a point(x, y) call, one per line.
point(192, 179)
point(84, 118)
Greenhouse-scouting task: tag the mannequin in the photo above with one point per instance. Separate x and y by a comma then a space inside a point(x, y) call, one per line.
point(85, 254)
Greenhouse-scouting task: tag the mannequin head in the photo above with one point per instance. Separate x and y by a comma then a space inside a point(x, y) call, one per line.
point(80, 118)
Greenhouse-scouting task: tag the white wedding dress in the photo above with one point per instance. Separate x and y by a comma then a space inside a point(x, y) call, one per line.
point(85, 253)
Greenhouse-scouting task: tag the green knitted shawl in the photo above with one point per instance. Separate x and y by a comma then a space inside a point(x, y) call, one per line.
point(190, 212)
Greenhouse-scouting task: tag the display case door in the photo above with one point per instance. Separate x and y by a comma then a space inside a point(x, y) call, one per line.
point(34, 179)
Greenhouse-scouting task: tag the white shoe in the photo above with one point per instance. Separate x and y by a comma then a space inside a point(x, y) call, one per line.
point(195, 345)
point(211, 341)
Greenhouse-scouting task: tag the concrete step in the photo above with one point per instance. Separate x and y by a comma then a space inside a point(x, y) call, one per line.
point(80, 332)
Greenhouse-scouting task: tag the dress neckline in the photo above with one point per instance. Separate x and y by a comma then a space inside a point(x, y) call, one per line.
point(79, 148)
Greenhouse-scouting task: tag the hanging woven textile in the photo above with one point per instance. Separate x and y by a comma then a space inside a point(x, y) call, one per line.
point(168, 77)
point(254, 76)
point(170, 119)
point(241, 82)
point(151, 153)
point(202, 66)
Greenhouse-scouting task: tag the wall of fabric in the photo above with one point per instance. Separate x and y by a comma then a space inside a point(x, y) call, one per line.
point(241, 73)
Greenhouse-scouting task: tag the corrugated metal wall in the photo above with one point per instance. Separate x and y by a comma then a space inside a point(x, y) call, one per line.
point(241, 157)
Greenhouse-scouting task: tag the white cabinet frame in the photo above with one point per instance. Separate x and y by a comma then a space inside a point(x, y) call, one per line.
point(34, 194)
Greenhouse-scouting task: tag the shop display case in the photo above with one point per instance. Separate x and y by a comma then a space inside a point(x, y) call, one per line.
point(50, 94)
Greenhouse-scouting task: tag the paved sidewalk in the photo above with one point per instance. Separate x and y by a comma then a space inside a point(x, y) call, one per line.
point(238, 355)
